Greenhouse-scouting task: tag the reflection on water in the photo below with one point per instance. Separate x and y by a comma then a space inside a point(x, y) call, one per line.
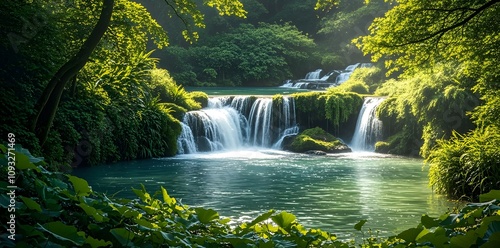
point(328, 192)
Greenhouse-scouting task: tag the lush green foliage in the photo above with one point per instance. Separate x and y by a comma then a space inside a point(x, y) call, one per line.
point(466, 165)
point(329, 110)
point(427, 105)
point(416, 33)
point(250, 55)
point(56, 209)
point(120, 79)
point(361, 81)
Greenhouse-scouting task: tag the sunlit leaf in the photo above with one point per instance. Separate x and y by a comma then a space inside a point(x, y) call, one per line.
point(284, 220)
point(206, 215)
point(80, 185)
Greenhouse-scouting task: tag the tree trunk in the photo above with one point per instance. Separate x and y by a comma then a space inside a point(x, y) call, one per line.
point(49, 101)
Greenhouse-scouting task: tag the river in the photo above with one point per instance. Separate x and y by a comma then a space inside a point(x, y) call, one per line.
point(331, 192)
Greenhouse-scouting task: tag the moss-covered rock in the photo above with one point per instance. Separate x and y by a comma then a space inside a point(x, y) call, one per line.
point(315, 139)
point(200, 97)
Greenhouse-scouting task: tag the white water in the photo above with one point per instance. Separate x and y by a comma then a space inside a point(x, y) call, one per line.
point(313, 74)
point(368, 127)
point(232, 123)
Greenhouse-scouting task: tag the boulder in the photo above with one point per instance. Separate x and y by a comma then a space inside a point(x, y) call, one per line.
point(315, 140)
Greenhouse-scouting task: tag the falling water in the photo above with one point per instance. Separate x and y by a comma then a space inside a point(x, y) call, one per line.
point(237, 122)
point(185, 142)
point(368, 127)
point(313, 74)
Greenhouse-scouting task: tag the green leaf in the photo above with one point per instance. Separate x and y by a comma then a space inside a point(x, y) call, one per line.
point(142, 194)
point(467, 240)
point(31, 204)
point(261, 218)
point(24, 163)
point(3, 149)
point(146, 224)
point(123, 236)
point(360, 224)
point(64, 232)
point(91, 211)
point(493, 241)
point(206, 215)
point(166, 198)
point(492, 195)
point(411, 234)
point(81, 186)
point(429, 222)
point(284, 220)
point(94, 243)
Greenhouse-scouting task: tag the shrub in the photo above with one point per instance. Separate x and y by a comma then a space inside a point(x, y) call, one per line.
point(466, 165)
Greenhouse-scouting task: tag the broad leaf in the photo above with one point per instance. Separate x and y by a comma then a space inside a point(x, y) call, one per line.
point(206, 215)
point(429, 222)
point(166, 198)
point(64, 232)
point(94, 243)
point(31, 204)
point(284, 220)
point(360, 224)
point(410, 235)
point(492, 195)
point(81, 186)
point(123, 236)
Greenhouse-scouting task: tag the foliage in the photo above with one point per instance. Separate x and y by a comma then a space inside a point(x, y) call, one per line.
point(466, 165)
point(416, 33)
point(200, 97)
point(329, 110)
point(57, 209)
point(429, 104)
point(249, 55)
point(120, 79)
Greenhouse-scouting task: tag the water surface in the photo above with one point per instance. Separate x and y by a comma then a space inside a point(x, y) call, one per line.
point(328, 192)
point(247, 91)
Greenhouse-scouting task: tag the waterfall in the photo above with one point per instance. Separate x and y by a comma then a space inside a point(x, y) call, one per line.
point(368, 127)
point(185, 142)
point(237, 122)
point(313, 74)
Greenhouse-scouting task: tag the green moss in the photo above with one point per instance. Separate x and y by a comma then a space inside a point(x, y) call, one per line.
point(382, 147)
point(200, 97)
point(316, 139)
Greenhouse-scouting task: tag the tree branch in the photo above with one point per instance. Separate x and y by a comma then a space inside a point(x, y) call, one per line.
point(442, 31)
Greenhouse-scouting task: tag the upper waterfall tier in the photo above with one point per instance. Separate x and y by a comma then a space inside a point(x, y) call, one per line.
point(235, 122)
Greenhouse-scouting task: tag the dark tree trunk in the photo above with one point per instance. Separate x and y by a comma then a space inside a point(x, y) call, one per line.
point(49, 101)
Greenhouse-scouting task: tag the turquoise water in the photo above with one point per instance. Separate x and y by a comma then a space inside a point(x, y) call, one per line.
point(247, 91)
point(329, 192)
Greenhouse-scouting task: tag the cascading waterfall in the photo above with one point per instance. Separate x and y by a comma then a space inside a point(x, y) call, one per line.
point(368, 127)
point(237, 122)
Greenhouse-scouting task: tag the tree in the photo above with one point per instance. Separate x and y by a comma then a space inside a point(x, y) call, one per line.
point(416, 33)
point(48, 103)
